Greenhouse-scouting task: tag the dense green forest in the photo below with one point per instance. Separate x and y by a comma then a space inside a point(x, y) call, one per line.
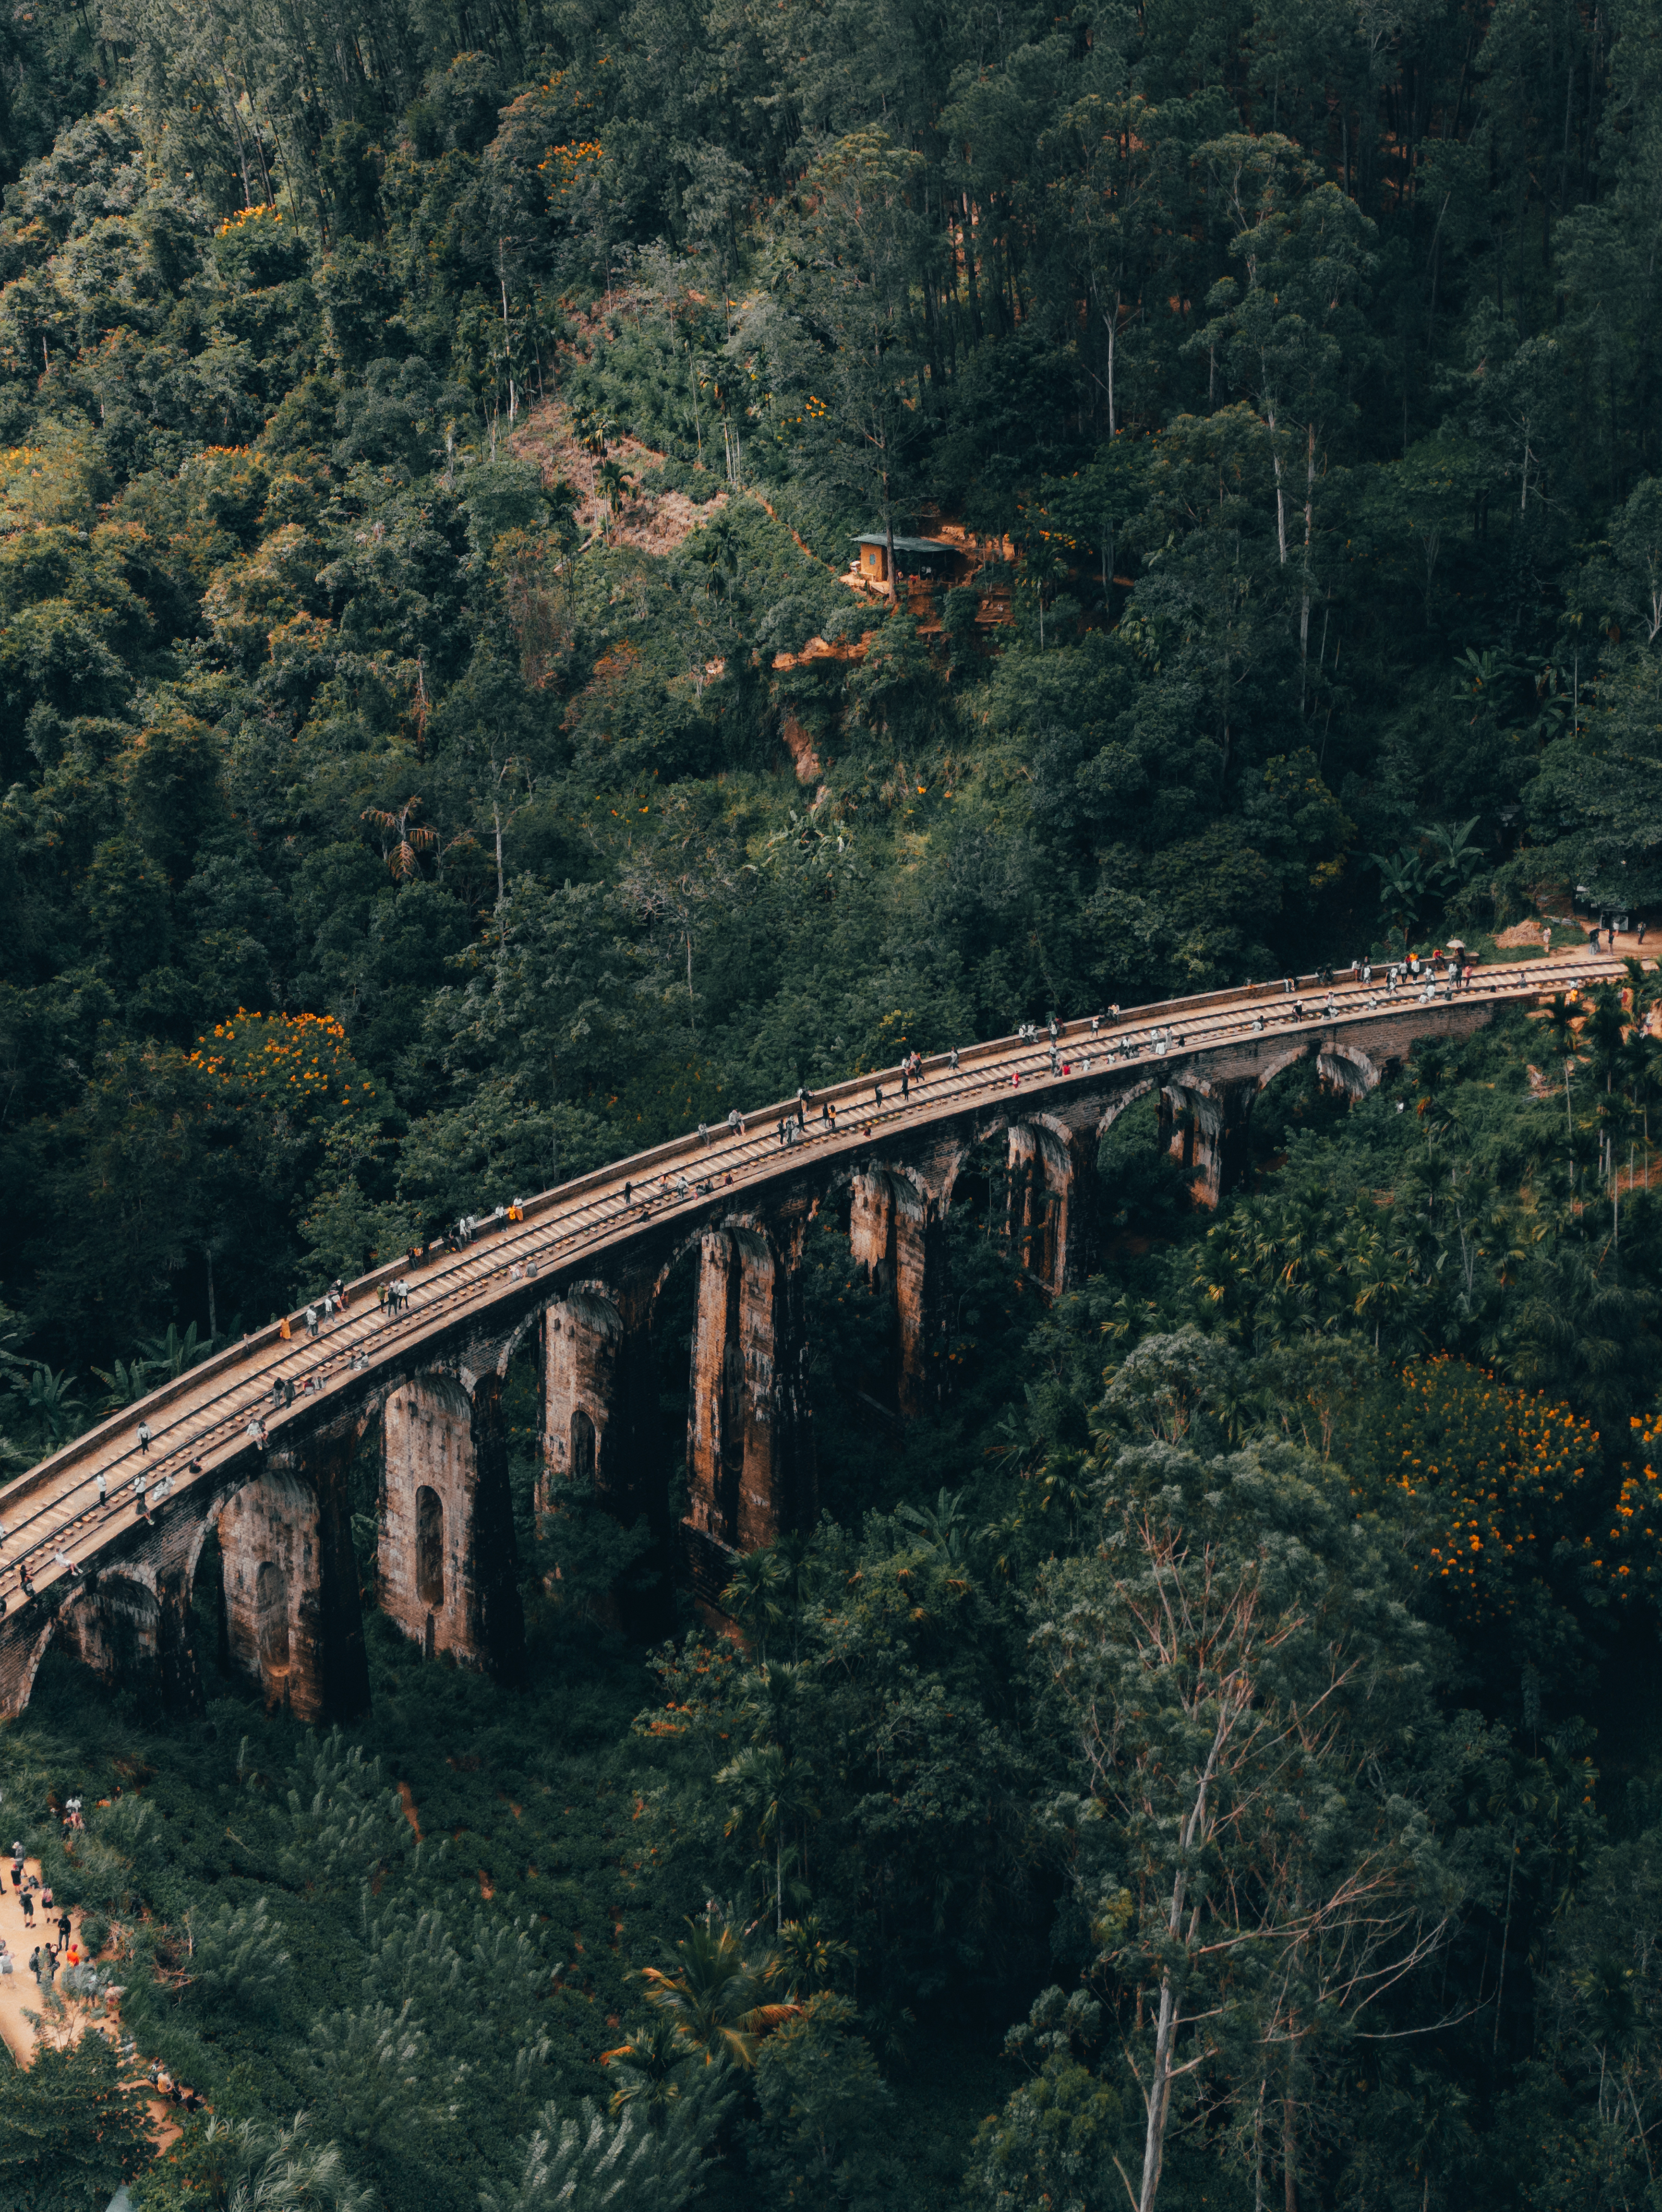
point(1209, 1753)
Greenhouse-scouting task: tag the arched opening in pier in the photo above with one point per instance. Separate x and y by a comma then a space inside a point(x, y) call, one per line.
point(429, 1547)
point(271, 1618)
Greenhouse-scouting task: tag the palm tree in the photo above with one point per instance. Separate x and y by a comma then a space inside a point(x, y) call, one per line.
point(615, 483)
point(766, 1785)
point(1561, 1019)
point(1605, 1031)
point(1642, 1078)
point(248, 2166)
point(407, 839)
point(1380, 1272)
point(715, 2004)
point(648, 2070)
point(807, 1958)
point(941, 1528)
point(756, 1596)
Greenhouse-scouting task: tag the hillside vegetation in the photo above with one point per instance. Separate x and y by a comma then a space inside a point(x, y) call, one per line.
point(442, 749)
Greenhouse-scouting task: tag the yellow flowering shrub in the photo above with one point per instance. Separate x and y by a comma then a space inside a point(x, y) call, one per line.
point(1633, 1546)
point(1499, 1477)
point(299, 1065)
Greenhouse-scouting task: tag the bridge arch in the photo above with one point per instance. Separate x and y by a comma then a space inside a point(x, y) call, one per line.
point(1347, 1069)
point(471, 1309)
point(20, 1661)
point(115, 1625)
point(271, 1618)
point(1277, 1063)
point(1118, 1104)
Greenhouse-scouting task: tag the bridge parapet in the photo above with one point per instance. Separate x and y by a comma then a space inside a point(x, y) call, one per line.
point(600, 1248)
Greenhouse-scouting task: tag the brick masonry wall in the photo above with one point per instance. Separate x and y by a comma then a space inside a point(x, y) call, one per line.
point(270, 1543)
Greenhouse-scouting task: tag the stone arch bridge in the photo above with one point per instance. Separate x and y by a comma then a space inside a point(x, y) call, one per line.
point(264, 1466)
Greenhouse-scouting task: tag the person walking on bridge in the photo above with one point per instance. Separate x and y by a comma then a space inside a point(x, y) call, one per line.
point(102, 1486)
point(138, 1492)
point(144, 1437)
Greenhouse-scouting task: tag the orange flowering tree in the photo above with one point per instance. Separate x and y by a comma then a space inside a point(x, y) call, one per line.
point(1500, 1481)
point(288, 1111)
point(296, 1067)
point(1632, 1549)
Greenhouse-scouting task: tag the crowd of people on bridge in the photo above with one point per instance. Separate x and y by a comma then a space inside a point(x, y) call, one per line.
point(1423, 976)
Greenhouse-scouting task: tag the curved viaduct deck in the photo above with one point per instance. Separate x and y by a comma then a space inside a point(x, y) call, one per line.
point(583, 1267)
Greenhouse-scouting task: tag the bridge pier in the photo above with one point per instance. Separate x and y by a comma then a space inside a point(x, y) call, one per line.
point(1206, 1131)
point(293, 1625)
point(582, 1339)
point(1049, 1215)
point(276, 1619)
point(894, 1236)
point(445, 1549)
point(600, 1404)
point(749, 1447)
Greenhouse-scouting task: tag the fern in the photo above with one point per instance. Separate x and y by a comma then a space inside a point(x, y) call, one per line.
point(237, 1955)
point(343, 1818)
point(586, 2163)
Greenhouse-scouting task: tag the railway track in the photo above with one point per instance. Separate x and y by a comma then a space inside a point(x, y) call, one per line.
point(55, 1523)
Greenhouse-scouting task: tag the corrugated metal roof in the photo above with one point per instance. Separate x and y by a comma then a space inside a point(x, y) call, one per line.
point(907, 544)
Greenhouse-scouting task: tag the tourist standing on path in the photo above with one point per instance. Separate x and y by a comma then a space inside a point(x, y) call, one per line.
point(138, 1492)
point(144, 1437)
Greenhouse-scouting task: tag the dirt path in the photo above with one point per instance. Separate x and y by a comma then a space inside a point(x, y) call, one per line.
point(19, 1992)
